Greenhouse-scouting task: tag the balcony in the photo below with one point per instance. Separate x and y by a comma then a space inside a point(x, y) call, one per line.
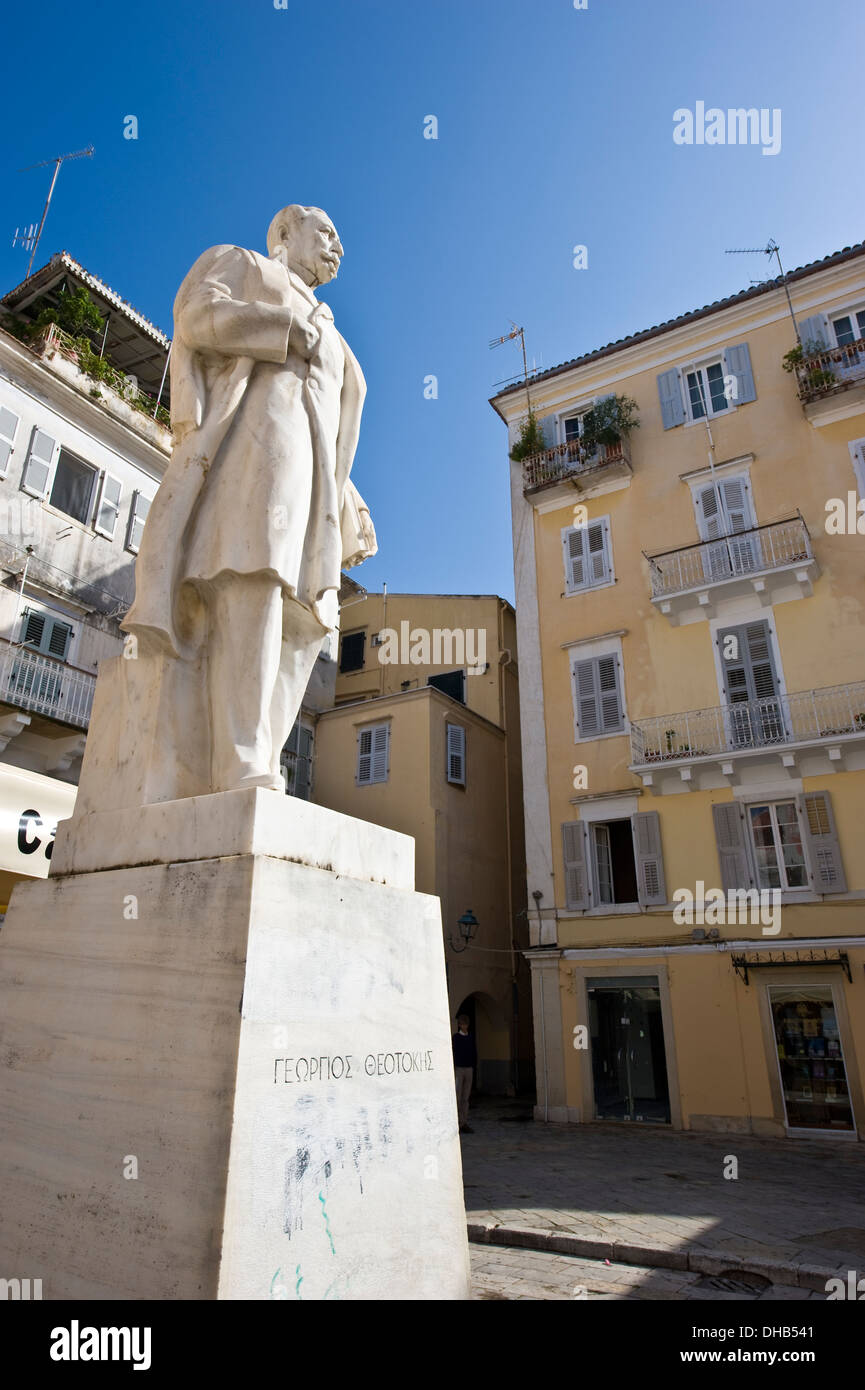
point(832, 383)
point(774, 562)
point(31, 681)
point(805, 734)
point(561, 470)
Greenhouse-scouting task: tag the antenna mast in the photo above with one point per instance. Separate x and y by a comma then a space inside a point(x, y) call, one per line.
point(517, 333)
point(56, 161)
point(770, 249)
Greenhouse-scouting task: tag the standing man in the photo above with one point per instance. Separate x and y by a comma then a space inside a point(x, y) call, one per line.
point(241, 555)
point(465, 1061)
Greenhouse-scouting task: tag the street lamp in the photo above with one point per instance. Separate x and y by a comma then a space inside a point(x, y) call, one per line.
point(468, 925)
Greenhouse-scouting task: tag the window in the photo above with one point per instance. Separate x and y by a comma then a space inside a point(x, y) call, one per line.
point(724, 509)
point(573, 426)
point(8, 430)
point(616, 861)
point(72, 489)
point(351, 651)
point(810, 1057)
point(783, 844)
point(45, 634)
point(778, 850)
point(373, 749)
point(706, 389)
point(296, 761)
point(849, 328)
point(108, 509)
point(451, 683)
point(456, 754)
point(137, 517)
point(588, 556)
point(597, 696)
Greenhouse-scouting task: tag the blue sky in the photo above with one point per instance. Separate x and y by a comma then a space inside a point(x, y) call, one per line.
point(555, 128)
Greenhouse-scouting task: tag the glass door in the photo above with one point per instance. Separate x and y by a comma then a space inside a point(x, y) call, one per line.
point(629, 1060)
point(810, 1058)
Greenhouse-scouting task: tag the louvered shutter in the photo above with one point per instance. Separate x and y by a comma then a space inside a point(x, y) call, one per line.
point(33, 629)
point(578, 891)
point(549, 431)
point(364, 756)
point(37, 470)
point(380, 737)
point(733, 850)
point(651, 886)
point(737, 362)
point(58, 640)
point(670, 396)
point(750, 676)
point(8, 430)
point(608, 685)
point(456, 754)
point(137, 517)
point(597, 556)
point(710, 518)
point(588, 705)
point(815, 331)
point(745, 554)
point(575, 568)
point(821, 842)
point(108, 509)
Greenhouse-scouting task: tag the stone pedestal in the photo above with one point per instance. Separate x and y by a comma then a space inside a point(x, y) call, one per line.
point(225, 1065)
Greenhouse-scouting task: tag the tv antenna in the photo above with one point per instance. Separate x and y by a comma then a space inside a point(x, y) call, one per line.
point(30, 236)
point(517, 333)
point(770, 249)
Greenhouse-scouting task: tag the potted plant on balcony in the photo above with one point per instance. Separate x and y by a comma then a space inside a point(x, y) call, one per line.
point(609, 421)
point(814, 378)
point(530, 439)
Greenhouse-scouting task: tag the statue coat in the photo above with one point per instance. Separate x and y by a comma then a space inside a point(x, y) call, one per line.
point(264, 442)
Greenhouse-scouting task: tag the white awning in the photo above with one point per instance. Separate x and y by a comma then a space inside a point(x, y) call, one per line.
point(30, 807)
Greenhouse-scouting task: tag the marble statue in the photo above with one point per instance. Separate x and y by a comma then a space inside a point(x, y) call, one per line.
point(241, 553)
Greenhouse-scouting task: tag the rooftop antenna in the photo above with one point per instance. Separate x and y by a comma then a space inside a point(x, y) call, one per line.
point(770, 249)
point(28, 240)
point(517, 333)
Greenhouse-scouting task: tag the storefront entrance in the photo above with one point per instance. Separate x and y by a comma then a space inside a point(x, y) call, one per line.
point(629, 1062)
point(810, 1058)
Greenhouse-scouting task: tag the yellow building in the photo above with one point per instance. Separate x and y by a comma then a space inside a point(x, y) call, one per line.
point(424, 739)
point(689, 600)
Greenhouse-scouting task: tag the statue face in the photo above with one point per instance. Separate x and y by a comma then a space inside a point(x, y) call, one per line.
point(316, 248)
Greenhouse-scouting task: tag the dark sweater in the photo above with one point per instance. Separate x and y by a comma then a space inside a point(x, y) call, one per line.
point(465, 1052)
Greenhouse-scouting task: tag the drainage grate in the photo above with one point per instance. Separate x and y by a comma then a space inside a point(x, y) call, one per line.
point(735, 1281)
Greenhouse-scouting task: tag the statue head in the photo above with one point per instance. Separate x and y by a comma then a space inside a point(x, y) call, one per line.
point(306, 241)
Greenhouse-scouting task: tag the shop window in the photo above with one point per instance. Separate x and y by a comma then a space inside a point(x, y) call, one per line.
point(811, 1058)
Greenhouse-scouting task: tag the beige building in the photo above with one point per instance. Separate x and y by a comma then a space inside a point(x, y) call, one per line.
point(424, 739)
point(692, 664)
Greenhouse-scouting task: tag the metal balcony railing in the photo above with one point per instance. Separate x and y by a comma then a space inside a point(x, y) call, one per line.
point(763, 548)
point(564, 461)
point(804, 717)
point(35, 682)
point(55, 339)
point(824, 373)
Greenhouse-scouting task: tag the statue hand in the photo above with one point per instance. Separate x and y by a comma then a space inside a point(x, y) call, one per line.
point(302, 338)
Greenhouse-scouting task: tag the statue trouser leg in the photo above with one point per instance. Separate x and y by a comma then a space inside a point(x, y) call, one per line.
point(302, 637)
point(244, 654)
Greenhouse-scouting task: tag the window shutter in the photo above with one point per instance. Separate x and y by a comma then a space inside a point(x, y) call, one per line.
point(672, 402)
point(597, 556)
point(575, 569)
point(456, 754)
point(710, 520)
point(33, 629)
point(380, 739)
point(108, 509)
point(137, 517)
point(815, 330)
point(364, 756)
point(731, 840)
point(611, 713)
point(578, 892)
point(588, 705)
point(548, 429)
point(821, 842)
point(737, 363)
point(37, 470)
point(58, 640)
point(8, 430)
point(651, 885)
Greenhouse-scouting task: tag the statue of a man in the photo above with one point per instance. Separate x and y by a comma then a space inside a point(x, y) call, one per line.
point(243, 547)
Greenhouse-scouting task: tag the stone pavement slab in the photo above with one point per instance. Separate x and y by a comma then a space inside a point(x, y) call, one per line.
point(646, 1197)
